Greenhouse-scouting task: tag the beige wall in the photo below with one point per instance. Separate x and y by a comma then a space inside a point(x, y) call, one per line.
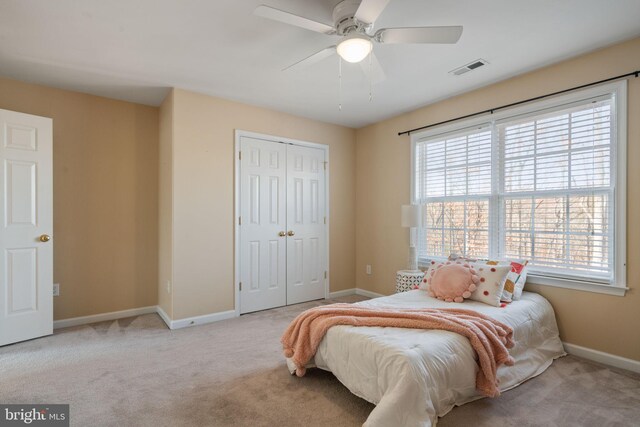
point(602, 322)
point(105, 163)
point(203, 196)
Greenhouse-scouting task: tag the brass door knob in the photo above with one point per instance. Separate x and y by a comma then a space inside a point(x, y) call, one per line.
point(291, 233)
point(45, 238)
point(282, 234)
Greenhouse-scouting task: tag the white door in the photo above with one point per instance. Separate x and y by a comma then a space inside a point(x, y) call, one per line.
point(26, 223)
point(263, 171)
point(305, 224)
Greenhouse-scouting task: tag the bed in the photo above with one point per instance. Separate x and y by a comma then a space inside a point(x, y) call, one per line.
point(415, 376)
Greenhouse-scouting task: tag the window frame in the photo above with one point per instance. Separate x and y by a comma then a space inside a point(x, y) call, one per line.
point(619, 145)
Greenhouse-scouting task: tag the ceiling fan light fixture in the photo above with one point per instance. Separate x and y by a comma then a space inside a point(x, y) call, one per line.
point(354, 48)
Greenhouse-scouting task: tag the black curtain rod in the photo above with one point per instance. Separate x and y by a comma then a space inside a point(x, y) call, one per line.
point(491, 110)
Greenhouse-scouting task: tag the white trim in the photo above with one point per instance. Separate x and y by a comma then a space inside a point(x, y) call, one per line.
point(236, 194)
point(355, 291)
point(327, 235)
point(344, 293)
point(172, 324)
point(577, 285)
point(201, 320)
point(236, 227)
point(103, 317)
point(164, 316)
point(602, 357)
point(620, 233)
point(366, 293)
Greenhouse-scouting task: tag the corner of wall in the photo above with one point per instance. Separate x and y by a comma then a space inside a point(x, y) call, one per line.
point(165, 206)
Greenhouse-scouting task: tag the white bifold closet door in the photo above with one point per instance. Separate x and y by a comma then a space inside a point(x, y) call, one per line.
point(282, 224)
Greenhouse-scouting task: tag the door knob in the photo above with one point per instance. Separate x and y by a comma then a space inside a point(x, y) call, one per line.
point(282, 234)
point(45, 238)
point(291, 233)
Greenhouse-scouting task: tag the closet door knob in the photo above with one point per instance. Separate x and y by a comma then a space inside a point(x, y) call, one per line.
point(282, 234)
point(45, 238)
point(291, 233)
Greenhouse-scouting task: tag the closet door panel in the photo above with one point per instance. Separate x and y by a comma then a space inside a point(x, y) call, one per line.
point(263, 214)
point(306, 260)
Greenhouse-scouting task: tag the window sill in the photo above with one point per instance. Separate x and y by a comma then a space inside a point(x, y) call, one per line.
point(576, 285)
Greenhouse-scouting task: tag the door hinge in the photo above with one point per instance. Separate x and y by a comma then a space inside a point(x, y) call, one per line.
point(239, 220)
point(325, 220)
point(325, 274)
point(325, 165)
point(240, 285)
point(239, 155)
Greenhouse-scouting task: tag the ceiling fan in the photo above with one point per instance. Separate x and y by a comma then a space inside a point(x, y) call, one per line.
point(353, 22)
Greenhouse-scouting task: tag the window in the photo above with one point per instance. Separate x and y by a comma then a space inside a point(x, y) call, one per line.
point(541, 183)
point(454, 185)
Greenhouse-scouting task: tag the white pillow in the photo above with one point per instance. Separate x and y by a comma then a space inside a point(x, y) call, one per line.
point(492, 279)
point(432, 264)
point(519, 287)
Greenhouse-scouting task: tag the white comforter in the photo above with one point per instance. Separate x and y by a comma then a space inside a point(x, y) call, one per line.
point(415, 376)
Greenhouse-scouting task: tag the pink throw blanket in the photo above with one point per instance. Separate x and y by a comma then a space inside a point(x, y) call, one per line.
point(489, 338)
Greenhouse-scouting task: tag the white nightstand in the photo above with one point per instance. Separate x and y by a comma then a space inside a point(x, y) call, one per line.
point(407, 280)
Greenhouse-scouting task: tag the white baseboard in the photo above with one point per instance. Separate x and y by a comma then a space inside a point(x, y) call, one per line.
point(354, 291)
point(103, 317)
point(602, 357)
point(344, 293)
point(164, 316)
point(200, 320)
point(365, 293)
point(172, 324)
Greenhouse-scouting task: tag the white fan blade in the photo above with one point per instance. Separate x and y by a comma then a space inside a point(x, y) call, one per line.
point(310, 60)
point(369, 10)
point(376, 71)
point(291, 19)
point(420, 35)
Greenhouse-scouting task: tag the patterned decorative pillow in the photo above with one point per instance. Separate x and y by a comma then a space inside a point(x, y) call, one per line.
point(491, 282)
point(521, 270)
point(515, 279)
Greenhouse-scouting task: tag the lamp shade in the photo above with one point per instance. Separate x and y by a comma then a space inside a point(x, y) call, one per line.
point(411, 215)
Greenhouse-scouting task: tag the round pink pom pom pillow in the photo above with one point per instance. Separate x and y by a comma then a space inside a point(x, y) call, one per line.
point(452, 282)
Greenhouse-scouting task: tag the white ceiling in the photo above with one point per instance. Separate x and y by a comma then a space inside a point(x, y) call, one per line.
point(136, 49)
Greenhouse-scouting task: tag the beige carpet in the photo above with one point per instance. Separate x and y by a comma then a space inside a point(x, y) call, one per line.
point(136, 372)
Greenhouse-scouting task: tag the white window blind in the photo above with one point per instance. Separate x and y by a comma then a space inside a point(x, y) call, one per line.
point(557, 190)
point(454, 176)
point(539, 186)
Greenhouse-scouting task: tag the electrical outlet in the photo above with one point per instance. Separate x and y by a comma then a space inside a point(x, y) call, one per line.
point(368, 268)
point(168, 286)
point(56, 289)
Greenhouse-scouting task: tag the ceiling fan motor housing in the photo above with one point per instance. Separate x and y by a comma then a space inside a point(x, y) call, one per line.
point(344, 20)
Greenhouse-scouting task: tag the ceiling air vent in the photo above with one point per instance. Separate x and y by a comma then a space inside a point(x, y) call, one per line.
point(469, 67)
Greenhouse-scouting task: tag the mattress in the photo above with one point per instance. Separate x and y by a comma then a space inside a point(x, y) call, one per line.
point(415, 376)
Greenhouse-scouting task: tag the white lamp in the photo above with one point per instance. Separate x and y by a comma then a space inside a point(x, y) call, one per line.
point(412, 217)
point(354, 48)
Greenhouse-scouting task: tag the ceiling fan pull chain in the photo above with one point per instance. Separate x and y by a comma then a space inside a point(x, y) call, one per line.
point(370, 76)
point(339, 83)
